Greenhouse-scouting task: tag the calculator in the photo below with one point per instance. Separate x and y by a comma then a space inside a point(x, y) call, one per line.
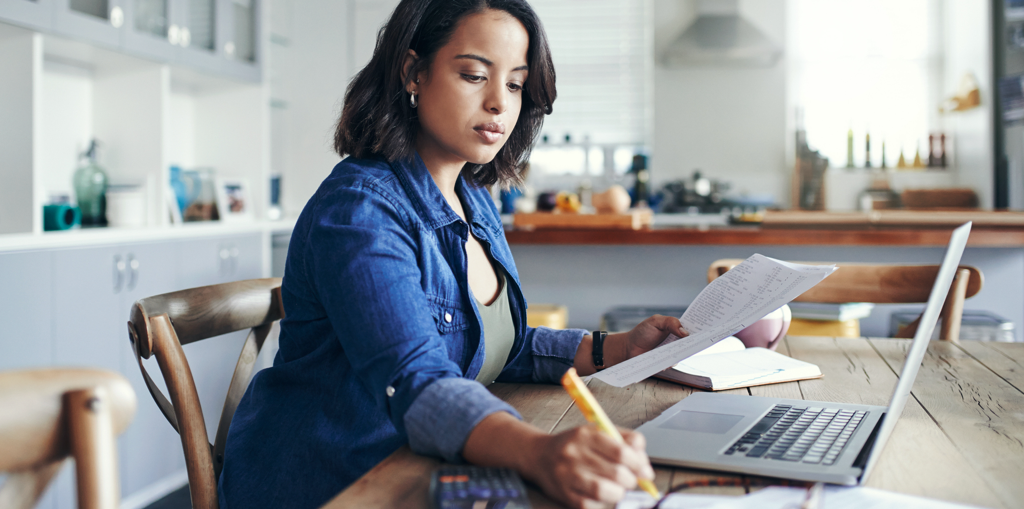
point(470, 487)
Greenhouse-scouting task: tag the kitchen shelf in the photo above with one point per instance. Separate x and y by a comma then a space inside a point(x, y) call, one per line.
point(87, 237)
point(59, 93)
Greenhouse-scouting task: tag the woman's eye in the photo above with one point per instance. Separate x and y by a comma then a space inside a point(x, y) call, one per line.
point(515, 87)
point(472, 78)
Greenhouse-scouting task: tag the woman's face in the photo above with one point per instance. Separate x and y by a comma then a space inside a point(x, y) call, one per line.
point(470, 97)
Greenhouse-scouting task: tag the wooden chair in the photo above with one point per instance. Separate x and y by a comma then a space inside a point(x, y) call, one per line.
point(887, 284)
point(47, 415)
point(160, 325)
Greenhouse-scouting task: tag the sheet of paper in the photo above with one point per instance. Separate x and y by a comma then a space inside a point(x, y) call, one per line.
point(835, 497)
point(729, 344)
point(641, 500)
point(729, 304)
point(748, 362)
point(728, 367)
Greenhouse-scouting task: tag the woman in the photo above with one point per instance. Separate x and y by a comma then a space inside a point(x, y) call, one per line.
point(402, 301)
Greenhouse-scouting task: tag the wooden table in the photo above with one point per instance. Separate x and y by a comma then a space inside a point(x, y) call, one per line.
point(961, 437)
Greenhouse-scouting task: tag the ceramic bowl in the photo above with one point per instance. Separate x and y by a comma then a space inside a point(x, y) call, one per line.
point(768, 331)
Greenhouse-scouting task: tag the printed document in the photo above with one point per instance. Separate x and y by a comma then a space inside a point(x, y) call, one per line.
point(835, 497)
point(728, 305)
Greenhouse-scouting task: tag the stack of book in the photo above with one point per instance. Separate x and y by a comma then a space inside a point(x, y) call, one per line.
point(824, 311)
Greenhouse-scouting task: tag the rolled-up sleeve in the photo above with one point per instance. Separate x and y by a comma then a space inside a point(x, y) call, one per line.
point(369, 281)
point(441, 418)
point(546, 355)
point(554, 352)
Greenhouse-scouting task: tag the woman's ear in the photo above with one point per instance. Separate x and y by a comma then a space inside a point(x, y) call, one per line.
point(410, 59)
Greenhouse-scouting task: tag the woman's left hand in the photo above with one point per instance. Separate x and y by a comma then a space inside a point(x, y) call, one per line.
point(650, 333)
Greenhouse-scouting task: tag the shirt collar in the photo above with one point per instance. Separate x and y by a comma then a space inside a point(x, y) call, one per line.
point(427, 198)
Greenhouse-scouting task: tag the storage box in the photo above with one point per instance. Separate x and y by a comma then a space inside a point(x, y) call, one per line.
point(974, 326)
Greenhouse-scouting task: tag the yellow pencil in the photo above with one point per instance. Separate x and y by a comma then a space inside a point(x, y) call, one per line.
point(595, 415)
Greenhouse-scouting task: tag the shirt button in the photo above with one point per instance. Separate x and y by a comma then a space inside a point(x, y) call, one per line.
point(448, 317)
point(390, 391)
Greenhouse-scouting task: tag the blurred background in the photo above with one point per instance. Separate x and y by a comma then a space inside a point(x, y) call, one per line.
point(152, 145)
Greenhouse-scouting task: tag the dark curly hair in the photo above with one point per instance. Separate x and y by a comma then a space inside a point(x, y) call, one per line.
point(377, 119)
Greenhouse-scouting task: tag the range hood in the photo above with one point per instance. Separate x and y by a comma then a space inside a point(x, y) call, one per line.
point(719, 36)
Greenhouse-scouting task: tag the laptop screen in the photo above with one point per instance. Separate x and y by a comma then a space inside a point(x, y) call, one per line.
point(918, 348)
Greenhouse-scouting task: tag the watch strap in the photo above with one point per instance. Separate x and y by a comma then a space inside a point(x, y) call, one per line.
point(598, 348)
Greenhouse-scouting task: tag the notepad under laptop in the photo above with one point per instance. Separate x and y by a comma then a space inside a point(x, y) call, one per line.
point(729, 364)
point(791, 438)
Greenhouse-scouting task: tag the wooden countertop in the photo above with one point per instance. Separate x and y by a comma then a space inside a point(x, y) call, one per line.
point(879, 228)
point(959, 439)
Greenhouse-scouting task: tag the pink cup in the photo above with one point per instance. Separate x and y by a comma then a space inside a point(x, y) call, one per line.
point(767, 331)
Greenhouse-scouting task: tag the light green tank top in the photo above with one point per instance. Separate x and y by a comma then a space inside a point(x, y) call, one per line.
point(499, 334)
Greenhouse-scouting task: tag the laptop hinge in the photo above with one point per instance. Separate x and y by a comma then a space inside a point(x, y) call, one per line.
point(862, 457)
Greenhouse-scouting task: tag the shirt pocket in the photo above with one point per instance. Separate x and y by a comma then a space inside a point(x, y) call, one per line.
point(448, 316)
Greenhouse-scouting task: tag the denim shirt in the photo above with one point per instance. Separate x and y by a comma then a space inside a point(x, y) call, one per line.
point(381, 341)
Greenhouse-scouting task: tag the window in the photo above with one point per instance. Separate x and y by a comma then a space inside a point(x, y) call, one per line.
point(873, 66)
point(603, 56)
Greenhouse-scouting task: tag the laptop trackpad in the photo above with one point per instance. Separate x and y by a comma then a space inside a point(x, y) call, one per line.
point(702, 422)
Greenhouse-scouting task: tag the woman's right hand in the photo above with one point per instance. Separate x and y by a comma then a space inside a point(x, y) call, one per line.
point(585, 468)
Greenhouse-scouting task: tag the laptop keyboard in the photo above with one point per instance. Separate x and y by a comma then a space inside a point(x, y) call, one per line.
point(810, 435)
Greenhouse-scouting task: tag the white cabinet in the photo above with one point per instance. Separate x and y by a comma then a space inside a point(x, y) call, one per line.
point(25, 311)
point(95, 21)
point(70, 307)
point(93, 291)
point(222, 36)
point(126, 72)
point(35, 14)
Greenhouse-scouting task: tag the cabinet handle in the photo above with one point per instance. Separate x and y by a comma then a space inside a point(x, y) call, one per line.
point(116, 16)
point(119, 267)
point(133, 274)
point(225, 260)
point(234, 260)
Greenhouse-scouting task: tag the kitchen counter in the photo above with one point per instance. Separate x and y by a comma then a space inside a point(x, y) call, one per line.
point(796, 228)
point(86, 237)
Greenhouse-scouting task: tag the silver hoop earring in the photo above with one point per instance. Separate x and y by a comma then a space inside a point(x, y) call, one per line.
point(412, 100)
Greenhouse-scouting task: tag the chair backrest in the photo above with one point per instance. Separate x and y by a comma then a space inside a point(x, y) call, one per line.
point(886, 284)
point(161, 324)
point(47, 415)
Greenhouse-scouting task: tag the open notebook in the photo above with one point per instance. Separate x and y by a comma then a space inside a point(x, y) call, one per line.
point(728, 364)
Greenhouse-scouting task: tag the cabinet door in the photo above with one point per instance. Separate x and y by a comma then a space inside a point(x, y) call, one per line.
point(198, 18)
point(150, 30)
point(240, 44)
point(35, 14)
point(212, 261)
point(86, 329)
point(206, 262)
point(246, 257)
point(25, 312)
point(95, 21)
point(202, 262)
point(150, 450)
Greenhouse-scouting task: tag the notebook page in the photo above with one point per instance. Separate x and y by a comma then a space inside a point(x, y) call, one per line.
point(729, 304)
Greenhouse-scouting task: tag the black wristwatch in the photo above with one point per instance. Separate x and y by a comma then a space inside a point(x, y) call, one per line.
point(598, 352)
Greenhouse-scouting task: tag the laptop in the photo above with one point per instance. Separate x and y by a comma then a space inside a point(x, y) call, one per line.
point(797, 439)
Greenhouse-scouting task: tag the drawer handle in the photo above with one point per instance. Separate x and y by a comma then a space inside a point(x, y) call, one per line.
point(133, 273)
point(119, 267)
